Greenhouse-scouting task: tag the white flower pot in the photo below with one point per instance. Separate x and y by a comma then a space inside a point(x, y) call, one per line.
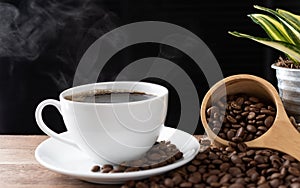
point(289, 89)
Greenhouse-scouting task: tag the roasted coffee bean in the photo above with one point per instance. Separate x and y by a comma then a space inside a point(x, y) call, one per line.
point(251, 115)
point(225, 178)
point(235, 105)
point(237, 139)
point(269, 121)
point(236, 159)
point(186, 185)
point(194, 179)
point(96, 168)
point(169, 183)
point(205, 142)
point(240, 132)
point(230, 134)
point(242, 146)
point(231, 119)
point(240, 101)
point(251, 128)
point(254, 99)
point(141, 185)
point(294, 171)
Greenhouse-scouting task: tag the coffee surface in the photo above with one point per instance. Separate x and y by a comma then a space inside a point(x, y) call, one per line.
point(107, 96)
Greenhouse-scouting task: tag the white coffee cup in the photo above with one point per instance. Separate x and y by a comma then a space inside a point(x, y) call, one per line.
point(110, 132)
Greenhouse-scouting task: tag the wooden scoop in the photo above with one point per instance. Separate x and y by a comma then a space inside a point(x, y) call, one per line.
point(281, 136)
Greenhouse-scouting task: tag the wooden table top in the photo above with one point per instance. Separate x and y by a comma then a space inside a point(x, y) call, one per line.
point(19, 169)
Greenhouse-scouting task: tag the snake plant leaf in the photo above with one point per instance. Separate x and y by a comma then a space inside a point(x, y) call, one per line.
point(290, 49)
point(272, 27)
point(292, 19)
point(292, 32)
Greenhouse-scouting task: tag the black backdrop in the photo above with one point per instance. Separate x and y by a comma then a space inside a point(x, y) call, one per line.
point(64, 29)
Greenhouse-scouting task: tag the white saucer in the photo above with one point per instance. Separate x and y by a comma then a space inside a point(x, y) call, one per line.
point(68, 160)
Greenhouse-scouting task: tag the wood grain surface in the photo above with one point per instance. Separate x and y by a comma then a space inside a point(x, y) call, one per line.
point(19, 169)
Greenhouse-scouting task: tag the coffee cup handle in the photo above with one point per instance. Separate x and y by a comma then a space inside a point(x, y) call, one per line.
point(44, 127)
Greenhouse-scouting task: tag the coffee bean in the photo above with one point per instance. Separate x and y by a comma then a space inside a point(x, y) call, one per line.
point(212, 178)
point(186, 184)
point(251, 115)
point(295, 185)
point(289, 158)
point(154, 157)
point(251, 128)
point(254, 99)
point(230, 134)
point(275, 183)
point(106, 170)
point(231, 119)
point(95, 168)
point(240, 132)
point(235, 105)
point(237, 139)
point(192, 168)
point(194, 179)
point(264, 185)
point(168, 182)
point(294, 171)
point(262, 128)
point(236, 185)
point(234, 171)
point(260, 159)
point(217, 162)
point(236, 126)
point(141, 185)
point(213, 156)
point(205, 142)
point(242, 146)
point(249, 137)
point(260, 123)
point(269, 121)
point(177, 179)
point(225, 178)
point(240, 101)
point(246, 113)
point(224, 167)
point(251, 121)
point(235, 159)
point(131, 169)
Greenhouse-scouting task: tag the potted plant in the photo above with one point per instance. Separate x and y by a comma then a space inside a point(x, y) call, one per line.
point(283, 30)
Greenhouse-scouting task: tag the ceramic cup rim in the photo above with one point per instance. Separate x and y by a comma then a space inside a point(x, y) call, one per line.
point(158, 91)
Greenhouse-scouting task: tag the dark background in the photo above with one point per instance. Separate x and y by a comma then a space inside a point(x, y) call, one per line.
point(42, 42)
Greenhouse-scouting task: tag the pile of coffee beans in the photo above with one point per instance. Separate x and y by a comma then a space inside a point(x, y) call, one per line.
point(160, 154)
point(240, 117)
point(230, 167)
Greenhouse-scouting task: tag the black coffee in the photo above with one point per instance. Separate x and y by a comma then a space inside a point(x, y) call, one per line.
point(107, 96)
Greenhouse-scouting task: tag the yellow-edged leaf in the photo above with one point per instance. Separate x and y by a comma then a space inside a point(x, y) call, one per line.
point(272, 27)
point(292, 19)
point(292, 32)
point(290, 49)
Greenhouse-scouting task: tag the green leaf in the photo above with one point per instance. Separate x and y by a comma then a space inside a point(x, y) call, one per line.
point(272, 27)
point(292, 32)
point(292, 19)
point(290, 49)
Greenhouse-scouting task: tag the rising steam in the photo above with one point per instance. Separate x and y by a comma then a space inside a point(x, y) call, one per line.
point(26, 30)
